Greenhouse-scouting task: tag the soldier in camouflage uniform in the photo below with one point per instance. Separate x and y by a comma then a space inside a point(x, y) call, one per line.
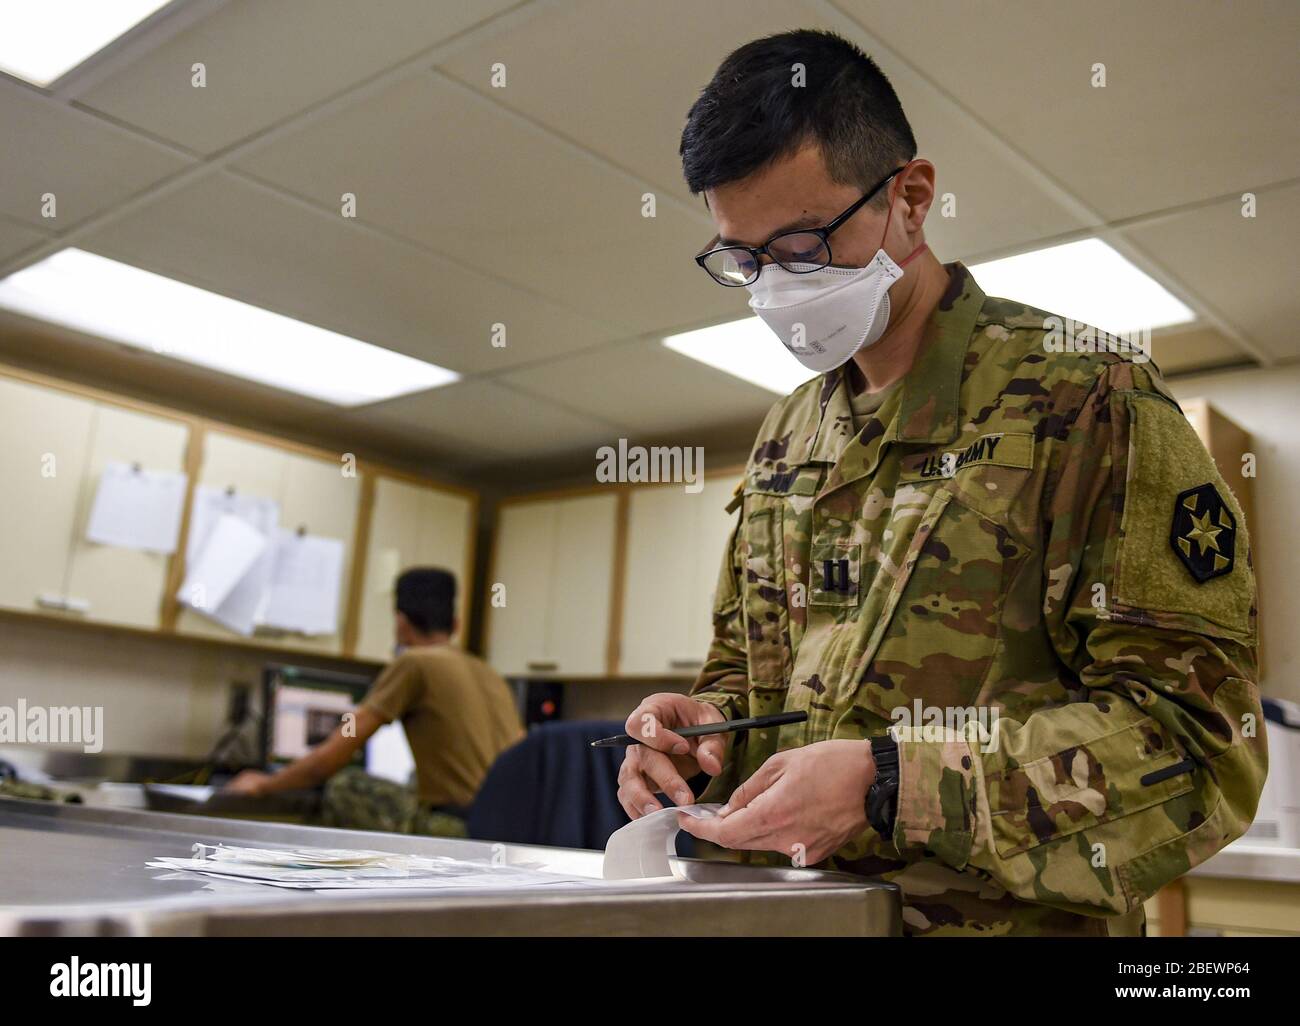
point(1033, 534)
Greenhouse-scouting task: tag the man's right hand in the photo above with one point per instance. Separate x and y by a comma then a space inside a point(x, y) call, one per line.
point(664, 761)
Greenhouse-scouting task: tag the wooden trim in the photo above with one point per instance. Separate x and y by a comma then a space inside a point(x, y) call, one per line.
point(419, 479)
point(171, 607)
point(614, 642)
point(467, 580)
point(488, 584)
point(360, 556)
point(251, 645)
point(1171, 908)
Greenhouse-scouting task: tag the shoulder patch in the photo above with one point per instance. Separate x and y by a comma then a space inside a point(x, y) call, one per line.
point(1182, 554)
point(1204, 532)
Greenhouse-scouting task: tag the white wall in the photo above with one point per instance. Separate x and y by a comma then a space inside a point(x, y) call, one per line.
point(161, 697)
point(1266, 402)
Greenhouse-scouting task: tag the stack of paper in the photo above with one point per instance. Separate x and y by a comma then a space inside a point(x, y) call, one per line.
point(345, 869)
point(245, 571)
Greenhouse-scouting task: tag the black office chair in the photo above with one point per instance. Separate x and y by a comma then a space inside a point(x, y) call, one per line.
point(552, 788)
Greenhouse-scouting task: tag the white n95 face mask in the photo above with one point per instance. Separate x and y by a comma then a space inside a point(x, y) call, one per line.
point(824, 316)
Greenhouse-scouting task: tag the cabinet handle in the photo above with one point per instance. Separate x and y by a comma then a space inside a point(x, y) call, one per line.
point(63, 603)
point(543, 665)
point(685, 664)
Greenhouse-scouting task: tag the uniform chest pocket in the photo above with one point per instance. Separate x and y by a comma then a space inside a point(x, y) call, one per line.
point(767, 621)
point(941, 626)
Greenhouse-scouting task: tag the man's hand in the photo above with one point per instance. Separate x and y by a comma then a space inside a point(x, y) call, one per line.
point(805, 803)
point(647, 769)
point(250, 782)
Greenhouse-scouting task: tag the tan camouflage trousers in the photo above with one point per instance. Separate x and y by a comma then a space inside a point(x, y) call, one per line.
point(355, 800)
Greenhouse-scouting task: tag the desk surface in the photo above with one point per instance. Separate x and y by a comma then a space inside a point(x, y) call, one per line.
point(69, 870)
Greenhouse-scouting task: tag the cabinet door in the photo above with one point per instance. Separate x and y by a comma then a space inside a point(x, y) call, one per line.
point(43, 437)
point(657, 582)
point(523, 557)
point(712, 531)
point(118, 585)
point(581, 585)
point(316, 496)
point(249, 468)
point(410, 525)
point(674, 548)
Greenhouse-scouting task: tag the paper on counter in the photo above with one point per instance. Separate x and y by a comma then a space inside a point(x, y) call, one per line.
point(324, 869)
point(136, 508)
point(645, 847)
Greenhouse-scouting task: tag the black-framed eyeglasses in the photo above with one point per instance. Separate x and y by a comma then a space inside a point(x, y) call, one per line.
point(735, 266)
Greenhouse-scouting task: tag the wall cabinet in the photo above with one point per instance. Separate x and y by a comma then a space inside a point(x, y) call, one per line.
point(411, 524)
point(674, 548)
point(554, 561)
point(55, 448)
point(57, 440)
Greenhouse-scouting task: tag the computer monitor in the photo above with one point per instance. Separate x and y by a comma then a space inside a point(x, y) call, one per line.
point(303, 706)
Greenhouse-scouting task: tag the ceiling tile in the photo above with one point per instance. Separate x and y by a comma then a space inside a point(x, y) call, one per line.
point(489, 419)
point(634, 99)
point(431, 160)
point(88, 165)
point(649, 389)
point(267, 61)
point(1181, 352)
point(1241, 266)
point(635, 87)
point(243, 241)
point(1199, 100)
point(16, 237)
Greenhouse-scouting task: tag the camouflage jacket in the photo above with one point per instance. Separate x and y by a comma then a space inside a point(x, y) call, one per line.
point(1025, 538)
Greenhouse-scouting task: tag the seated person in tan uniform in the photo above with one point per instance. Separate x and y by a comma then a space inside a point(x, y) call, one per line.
point(457, 712)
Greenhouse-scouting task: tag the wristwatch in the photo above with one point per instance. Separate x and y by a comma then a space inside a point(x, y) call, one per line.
point(882, 795)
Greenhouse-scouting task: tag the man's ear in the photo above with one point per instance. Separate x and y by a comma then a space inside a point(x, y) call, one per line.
point(917, 188)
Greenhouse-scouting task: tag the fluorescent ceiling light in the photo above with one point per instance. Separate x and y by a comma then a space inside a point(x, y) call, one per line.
point(41, 40)
point(116, 301)
point(1085, 281)
point(746, 349)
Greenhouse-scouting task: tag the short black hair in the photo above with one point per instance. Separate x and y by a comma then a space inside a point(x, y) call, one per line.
point(426, 596)
point(753, 112)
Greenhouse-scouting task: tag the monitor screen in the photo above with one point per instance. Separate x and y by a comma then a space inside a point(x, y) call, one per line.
point(303, 707)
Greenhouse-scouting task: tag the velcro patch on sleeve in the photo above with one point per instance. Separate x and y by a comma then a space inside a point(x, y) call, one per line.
point(1182, 556)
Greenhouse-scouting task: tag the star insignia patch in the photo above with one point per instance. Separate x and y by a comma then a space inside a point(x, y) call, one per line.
point(1203, 533)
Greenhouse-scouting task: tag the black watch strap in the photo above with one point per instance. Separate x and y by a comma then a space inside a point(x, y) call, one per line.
point(882, 796)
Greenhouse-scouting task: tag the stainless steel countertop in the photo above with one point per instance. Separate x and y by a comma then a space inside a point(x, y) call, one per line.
point(70, 870)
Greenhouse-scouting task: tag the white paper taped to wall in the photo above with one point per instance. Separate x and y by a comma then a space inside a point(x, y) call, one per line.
point(241, 607)
point(136, 508)
point(232, 548)
point(645, 847)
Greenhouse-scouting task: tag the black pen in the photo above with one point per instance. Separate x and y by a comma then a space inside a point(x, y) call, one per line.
point(700, 729)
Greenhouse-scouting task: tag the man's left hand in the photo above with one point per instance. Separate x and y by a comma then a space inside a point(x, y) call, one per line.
point(805, 803)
